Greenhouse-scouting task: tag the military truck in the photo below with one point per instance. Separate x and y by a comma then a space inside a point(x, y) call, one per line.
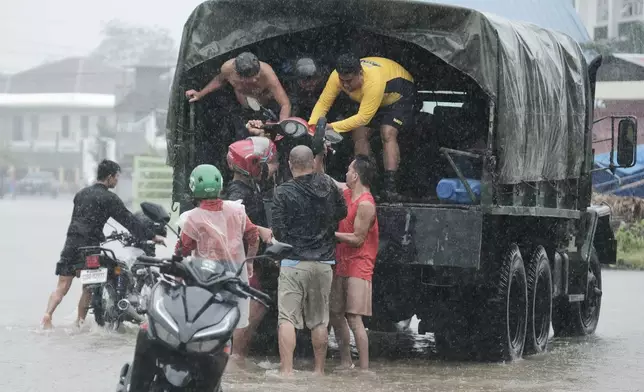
point(507, 104)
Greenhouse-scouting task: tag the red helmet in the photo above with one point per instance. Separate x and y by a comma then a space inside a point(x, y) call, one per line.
point(248, 156)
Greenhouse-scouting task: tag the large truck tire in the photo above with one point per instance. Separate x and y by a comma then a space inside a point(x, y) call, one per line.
point(504, 326)
point(581, 318)
point(539, 278)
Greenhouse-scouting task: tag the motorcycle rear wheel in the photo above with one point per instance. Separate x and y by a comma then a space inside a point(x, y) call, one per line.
point(106, 312)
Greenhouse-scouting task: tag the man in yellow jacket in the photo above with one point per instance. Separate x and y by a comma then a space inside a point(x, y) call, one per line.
point(386, 93)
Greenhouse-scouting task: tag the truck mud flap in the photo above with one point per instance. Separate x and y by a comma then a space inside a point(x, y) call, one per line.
point(603, 236)
point(432, 236)
point(581, 248)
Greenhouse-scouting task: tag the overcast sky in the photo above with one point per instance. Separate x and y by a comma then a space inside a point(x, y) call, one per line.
point(36, 31)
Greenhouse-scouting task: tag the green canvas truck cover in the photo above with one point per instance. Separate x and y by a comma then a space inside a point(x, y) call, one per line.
point(537, 77)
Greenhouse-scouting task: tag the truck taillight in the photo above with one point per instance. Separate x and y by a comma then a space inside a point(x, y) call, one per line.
point(92, 261)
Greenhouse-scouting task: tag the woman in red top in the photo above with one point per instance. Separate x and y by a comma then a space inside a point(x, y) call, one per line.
point(356, 257)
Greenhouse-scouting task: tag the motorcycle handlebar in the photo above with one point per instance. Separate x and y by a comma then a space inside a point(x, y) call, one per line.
point(151, 260)
point(258, 293)
point(116, 236)
point(243, 290)
point(128, 238)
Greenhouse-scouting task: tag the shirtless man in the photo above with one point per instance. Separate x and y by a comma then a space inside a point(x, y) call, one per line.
point(249, 77)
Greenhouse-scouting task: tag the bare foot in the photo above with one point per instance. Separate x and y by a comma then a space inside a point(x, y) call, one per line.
point(46, 322)
point(344, 367)
point(242, 363)
point(238, 359)
point(276, 374)
point(318, 374)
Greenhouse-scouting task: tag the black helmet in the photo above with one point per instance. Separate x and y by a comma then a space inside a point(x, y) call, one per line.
point(247, 65)
point(305, 68)
point(157, 228)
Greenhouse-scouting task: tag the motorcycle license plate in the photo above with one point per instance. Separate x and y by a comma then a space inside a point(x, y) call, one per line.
point(93, 276)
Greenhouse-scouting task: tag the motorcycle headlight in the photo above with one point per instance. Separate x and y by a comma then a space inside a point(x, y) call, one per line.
point(203, 347)
point(166, 335)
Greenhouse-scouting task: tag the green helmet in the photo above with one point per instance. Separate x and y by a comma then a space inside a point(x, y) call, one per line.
point(206, 182)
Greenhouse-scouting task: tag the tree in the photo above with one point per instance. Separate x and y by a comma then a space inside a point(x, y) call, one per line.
point(630, 40)
point(127, 45)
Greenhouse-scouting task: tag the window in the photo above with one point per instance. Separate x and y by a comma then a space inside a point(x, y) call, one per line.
point(18, 134)
point(35, 127)
point(626, 29)
point(84, 126)
point(64, 127)
point(600, 33)
point(602, 11)
point(631, 8)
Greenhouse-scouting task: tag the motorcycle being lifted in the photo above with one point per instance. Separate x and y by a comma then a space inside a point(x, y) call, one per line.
point(294, 131)
point(191, 318)
point(119, 285)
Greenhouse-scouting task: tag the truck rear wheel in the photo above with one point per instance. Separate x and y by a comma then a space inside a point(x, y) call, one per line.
point(504, 327)
point(539, 302)
point(495, 328)
point(581, 318)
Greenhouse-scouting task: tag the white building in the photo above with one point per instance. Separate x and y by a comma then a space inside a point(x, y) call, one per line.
point(609, 19)
point(47, 112)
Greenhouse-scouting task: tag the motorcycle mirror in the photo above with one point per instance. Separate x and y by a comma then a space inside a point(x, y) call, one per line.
point(317, 144)
point(293, 128)
point(278, 250)
point(253, 104)
point(155, 212)
point(332, 136)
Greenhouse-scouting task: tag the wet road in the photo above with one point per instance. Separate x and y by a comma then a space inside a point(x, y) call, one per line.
point(89, 360)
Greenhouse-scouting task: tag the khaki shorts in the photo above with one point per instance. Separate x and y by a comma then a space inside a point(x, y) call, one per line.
point(351, 295)
point(303, 294)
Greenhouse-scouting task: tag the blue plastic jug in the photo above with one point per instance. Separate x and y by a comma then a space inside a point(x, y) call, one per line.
point(453, 190)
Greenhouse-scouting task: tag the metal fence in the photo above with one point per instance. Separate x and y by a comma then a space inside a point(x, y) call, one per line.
point(152, 182)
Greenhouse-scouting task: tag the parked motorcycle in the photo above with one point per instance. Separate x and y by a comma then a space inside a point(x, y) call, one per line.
point(191, 318)
point(119, 286)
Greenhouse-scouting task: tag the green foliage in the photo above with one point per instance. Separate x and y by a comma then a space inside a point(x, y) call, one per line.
point(630, 245)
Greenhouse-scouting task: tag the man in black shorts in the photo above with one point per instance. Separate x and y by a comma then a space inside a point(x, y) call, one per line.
point(93, 207)
point(386, 93)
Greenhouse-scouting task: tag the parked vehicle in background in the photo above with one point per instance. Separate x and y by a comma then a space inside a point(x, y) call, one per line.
point(41, 183)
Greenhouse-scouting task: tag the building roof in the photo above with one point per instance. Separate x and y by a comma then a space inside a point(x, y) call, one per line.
point(634, 58)
point(70, 75)
point(621, 67)
point(552, 14)
point(94, 101)
point(151, 90)
point(143, 101)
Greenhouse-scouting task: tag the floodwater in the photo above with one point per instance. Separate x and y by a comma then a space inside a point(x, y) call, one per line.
point(89, 360)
